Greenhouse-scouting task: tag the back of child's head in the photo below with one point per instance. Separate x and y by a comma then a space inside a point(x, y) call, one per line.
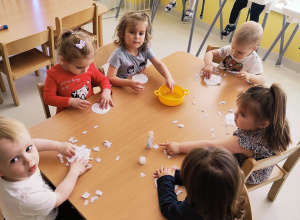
point(11, 129)
point(213, 180)
point(268, 104)
point(75, 44)
point(130, 19)
point(249, 33)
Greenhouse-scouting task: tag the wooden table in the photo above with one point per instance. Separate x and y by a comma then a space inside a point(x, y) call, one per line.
point(25, 18)
point(126, 195)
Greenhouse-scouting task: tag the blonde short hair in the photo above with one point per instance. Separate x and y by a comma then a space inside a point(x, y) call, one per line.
point(249, 33)
point(11, 129)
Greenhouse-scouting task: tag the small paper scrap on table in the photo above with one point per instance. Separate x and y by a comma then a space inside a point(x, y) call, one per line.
point(141, 78)
point(229, 119)
point(96, 108)
point(213, 80)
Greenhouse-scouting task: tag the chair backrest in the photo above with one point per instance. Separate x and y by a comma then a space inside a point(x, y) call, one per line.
point(215, 59)
point(27, 43)
point(40, 87)
point(78, 19)
point(248, 209)
point(279, 174)
point(102, 54)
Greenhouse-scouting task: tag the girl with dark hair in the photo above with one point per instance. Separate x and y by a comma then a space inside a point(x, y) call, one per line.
point(263, 130)
point(213, 182)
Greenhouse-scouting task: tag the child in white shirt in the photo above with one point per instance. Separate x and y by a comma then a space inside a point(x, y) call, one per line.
point(23, 192)
point(240, 56)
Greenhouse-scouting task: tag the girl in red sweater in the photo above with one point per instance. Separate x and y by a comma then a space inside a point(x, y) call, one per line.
point(69, 83)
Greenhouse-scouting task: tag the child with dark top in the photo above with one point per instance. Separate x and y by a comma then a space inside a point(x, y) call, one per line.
point(213, 182)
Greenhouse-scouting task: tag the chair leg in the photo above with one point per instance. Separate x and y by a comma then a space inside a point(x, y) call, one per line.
point(13, 90)
point(1, 100)
point(2, 86)
point(275, 189)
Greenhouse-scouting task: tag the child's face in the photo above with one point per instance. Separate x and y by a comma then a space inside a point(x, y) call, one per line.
point(77, 66)
point(19, 159)
point(135, 35)
point(240, 51)
point(245, 120)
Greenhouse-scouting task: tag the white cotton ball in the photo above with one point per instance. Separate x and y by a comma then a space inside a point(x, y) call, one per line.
point(142, 160)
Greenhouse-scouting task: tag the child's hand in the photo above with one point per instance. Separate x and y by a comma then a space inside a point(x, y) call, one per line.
point(172, 148)
point(170, 83)
point(244, 76)
point(105, 99)
point(78, 103)
point(80, 166)
point(163, 171)
point(137, 86)
point(208, 70)
point(66, 149)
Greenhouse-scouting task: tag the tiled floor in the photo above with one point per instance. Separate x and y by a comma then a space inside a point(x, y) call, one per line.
point(170, 36)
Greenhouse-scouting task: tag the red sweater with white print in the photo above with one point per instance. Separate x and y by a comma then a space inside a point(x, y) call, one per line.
point(61, 85)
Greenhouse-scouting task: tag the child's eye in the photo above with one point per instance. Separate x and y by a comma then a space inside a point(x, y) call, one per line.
point(141, 34)
point(28, 148)
point(131, 32)
point(14, 160)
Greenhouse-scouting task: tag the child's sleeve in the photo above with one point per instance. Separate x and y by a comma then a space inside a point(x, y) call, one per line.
point(50, 92)
point(115, 59)
point(149, 54)
point(99, 79)
point(169, 205)
point(224, 51)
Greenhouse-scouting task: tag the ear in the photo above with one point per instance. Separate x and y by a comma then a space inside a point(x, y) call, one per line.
point(254, 48)
point(62, 60)
point(263, 124)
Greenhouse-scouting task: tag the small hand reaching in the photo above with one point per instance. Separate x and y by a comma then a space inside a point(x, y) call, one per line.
point(137, 86)
point(244, 76)
point(105, 99)
point(208, 70)
point(66, 149)
point(164, 171)
point(80, 166)
point(172, 148)
point(170, 83)
point(78, 103)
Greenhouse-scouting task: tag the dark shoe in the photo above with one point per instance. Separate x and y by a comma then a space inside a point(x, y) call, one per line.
point(170, 6)
point(228, 29)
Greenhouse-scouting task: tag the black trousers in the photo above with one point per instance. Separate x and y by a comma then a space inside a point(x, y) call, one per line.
point(256, 10)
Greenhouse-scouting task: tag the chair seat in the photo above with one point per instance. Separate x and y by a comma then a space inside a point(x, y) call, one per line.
point(25, 62)
point(292, 10)
point(276, 174)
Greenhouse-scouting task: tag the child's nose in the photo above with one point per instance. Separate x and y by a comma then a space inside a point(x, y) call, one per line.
point(27, 159)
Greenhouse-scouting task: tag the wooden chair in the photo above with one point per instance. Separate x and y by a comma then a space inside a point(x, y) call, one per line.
point(248, 210)
point(21, 57)
point(40, 87)
point(215, 59)
point(279, 174)
point(76, 20)
point(102, 54)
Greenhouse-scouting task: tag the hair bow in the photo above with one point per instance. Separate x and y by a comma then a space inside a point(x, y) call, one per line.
point(81, 44)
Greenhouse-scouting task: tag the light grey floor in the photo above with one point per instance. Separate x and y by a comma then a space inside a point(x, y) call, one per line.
point(170, 36)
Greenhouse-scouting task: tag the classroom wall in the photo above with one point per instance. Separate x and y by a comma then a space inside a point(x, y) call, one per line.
point(272, 28)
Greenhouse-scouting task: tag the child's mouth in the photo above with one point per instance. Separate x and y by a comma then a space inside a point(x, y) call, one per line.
point(33, 168)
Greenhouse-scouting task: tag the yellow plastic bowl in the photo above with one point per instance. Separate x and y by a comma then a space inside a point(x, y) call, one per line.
point(171, 99)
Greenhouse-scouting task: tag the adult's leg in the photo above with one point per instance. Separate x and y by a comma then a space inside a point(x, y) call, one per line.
point(237, 7)
point(256, 10)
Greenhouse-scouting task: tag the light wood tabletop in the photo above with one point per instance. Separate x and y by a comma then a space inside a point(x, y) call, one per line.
point(126, 195)
point(25, 18)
